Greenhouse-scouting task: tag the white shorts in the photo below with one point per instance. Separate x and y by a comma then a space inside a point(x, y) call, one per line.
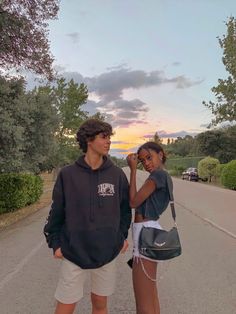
point(71, 281)
point(136, 228)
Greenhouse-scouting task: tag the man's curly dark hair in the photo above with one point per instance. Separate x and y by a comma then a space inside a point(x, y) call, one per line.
point(89, 129)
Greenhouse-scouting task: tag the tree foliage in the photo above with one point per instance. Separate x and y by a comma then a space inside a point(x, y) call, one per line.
point(220, 143)
point(12, 120)
point(156, 138)
point(207, 168)
point(23, 35)
point(228, 176)
point(39, 135)
point(181, 146)
point(224, 109)
point(69, 98)
point(28, 122)
point(38, 128)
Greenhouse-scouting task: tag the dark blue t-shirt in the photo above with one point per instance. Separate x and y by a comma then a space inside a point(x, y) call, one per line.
point(158, 201)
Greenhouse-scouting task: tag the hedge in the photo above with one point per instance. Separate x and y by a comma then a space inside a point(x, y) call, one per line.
point(19, 190)
point(228, 175)
point(219, 169)
point(178, 165)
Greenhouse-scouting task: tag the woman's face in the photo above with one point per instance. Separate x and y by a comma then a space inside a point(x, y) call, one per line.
point(150, 159)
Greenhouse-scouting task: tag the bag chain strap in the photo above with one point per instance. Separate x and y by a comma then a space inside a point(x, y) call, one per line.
point(145, 272)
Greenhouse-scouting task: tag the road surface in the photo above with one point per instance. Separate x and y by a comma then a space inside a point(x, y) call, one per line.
point(201, 281)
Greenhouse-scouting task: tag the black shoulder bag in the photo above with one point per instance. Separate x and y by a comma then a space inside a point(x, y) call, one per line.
point(160, 244)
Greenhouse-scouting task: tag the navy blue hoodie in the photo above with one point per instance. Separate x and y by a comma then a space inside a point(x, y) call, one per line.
point(90, 213)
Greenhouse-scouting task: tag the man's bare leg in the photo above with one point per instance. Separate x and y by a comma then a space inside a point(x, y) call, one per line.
point(62, 308)
point(99, 304)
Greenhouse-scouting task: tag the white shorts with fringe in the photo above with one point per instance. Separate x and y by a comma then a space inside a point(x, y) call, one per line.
point(136, 228)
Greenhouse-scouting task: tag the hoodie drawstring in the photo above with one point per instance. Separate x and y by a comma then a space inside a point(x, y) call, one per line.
point(100, 202)
point(91, 196)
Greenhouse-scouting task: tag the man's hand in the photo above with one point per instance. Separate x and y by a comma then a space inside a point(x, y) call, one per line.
point(58, 253)
point(125, 247)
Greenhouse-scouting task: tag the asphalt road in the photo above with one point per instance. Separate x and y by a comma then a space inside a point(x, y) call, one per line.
point(201, 281)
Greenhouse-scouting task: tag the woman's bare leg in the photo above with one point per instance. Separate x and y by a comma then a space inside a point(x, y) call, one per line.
point(145, 290)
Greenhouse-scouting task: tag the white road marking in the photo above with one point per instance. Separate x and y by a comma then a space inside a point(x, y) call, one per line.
point(209, 221)
point(20, 265)
point(220, 228)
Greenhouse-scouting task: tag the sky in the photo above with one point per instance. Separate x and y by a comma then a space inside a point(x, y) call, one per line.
point(148, 64)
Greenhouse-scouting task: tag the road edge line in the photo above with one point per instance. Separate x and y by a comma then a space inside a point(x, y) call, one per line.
point(232, 235)
point(220, 228)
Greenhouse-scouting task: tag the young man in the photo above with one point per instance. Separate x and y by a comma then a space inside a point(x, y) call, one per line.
point(89, 220)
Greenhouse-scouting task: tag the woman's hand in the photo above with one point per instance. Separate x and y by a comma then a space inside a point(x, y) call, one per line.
point(132, 160)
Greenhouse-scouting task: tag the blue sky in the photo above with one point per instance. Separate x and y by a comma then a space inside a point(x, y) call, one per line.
point(148, 64)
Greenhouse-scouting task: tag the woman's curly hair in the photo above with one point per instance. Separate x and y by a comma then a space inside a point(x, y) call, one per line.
point(89, 129)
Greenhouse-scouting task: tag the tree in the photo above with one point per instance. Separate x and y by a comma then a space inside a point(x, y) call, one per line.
point(207, 168)
point(98, 116)
point(39, 135)
point(28, 122)
point(220, 144)
point(181, 146)
point(157, 139)
point(12, 120)
point(225, 107)
point(69, 99)
point(209, 143)
point(38, 128)
point(228, 176)
point(23, 35)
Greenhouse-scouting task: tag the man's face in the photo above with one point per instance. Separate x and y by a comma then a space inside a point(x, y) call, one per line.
point(100, 145)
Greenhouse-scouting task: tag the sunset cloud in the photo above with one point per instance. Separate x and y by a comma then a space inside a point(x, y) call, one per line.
point(108, 89)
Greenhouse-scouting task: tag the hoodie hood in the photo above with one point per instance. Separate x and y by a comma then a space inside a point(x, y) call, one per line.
point(94, 176)
point(107, 163)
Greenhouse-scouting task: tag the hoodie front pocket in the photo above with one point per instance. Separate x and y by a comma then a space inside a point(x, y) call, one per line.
point(98, 245)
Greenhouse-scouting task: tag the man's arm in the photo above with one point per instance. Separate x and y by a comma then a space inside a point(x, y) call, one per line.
point(56, 217)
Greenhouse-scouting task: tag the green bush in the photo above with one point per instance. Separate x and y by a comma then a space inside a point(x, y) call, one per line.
point(207, 168)
point(228, 176)
point(19, 190)
point(173, 172)
point(219, 169)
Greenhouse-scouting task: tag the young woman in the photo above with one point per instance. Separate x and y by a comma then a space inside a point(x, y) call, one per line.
point(149, 202)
